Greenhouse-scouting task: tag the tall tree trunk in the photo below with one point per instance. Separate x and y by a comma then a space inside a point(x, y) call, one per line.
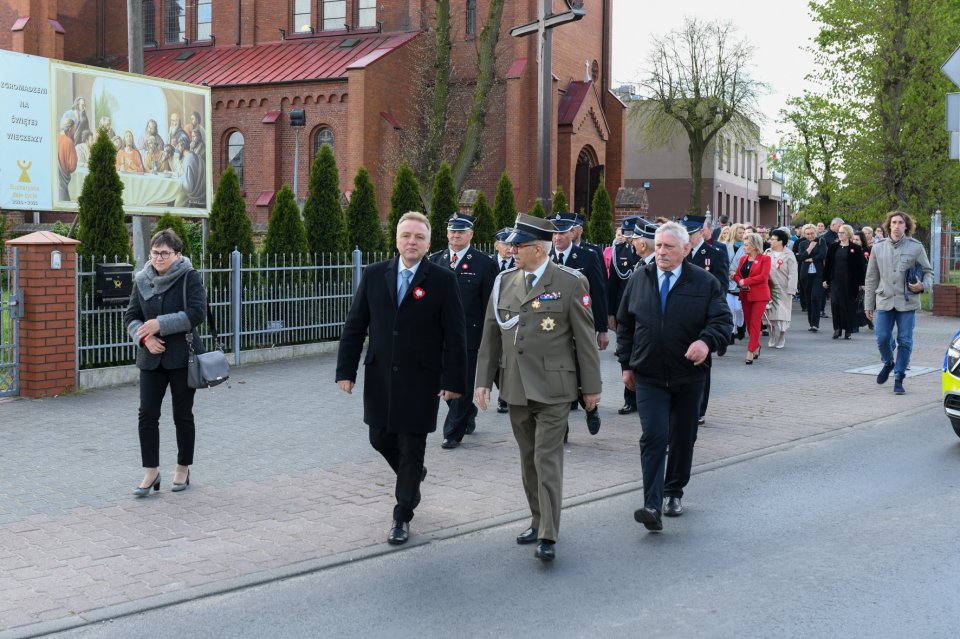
point(438, 114)
point(695, 150)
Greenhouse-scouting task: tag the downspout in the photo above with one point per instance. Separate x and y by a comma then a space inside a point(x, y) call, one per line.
point(606, 49)
point(239, 21)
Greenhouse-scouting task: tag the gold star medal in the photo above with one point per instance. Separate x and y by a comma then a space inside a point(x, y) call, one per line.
point(547, 324)
point(535, 304)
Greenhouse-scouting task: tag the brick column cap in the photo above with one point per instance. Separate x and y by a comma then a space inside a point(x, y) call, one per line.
point(41, 238)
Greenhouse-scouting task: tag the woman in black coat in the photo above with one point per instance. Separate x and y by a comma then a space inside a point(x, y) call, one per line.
point(843, 273)
point(159, 321)
point(810, 255)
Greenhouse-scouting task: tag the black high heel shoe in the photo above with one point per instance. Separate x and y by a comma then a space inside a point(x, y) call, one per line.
point(181, 487)
point(143, 492)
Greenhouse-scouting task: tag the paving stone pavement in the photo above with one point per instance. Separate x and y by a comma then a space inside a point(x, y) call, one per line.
point(284, 473)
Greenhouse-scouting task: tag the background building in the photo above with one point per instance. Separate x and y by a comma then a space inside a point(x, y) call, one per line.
point(353, 66)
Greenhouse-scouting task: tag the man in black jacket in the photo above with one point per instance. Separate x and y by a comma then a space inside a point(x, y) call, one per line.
point(672, 315)
point(416, 356)
point(475, 273)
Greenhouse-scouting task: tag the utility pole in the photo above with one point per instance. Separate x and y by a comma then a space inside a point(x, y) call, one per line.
point(141, 225)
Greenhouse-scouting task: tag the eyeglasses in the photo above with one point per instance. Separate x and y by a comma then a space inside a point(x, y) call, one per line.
point(517, 247)
point(161, 255)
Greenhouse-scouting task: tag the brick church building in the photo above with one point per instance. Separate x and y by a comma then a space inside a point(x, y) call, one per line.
point(350, 65)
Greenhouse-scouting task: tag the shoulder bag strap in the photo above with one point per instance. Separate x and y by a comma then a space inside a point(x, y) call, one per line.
point(213, 325)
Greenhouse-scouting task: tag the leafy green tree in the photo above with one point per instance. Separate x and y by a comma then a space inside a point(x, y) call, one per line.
point(285, 232)
point(230, 226)
point(504, 207)
point(600, 226)
point(559, 201)
point(484, 228)
point(323, 218)
point(405, 198)
point(363, 218)
point(444, 205)
point(537, 210)
point(176, 224)
point(102, 233)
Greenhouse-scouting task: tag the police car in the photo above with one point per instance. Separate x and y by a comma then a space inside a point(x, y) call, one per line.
point(950, 383)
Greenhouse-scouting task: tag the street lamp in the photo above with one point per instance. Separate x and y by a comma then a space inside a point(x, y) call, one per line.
point(298, 120)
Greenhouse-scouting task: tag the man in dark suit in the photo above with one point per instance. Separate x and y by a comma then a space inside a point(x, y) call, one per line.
point(505, 262)
point(583, 260)
point(672, 315)
point(416, 356)
point(622, 263)
point(713, 260)
point(475, 273)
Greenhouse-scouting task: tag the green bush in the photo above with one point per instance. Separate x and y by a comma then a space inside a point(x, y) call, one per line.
point(504, 207)
point(484, 229)
point(323, 218)
point(102, 233)
point(363, 218)
point(405, 198)
point(600, 227)
point(285, 232)
point(537, 210)
point(559, 201)
point(59, 227)
point(178, 226)
point(230, 227)
point(444, 205)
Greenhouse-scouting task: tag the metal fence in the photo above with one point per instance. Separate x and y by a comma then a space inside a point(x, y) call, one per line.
point(11, 302)
point(256, 301)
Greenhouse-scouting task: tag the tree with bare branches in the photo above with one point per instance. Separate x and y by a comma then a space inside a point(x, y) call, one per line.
point(698, 81)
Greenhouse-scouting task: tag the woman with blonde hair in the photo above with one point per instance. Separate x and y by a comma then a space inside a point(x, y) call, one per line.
point(843, 273)
point(752, 275)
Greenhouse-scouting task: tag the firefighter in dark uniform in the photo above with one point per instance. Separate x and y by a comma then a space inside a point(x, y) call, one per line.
point(622, 262)
point(713, 260)
point(475, 273)
point(583, 260)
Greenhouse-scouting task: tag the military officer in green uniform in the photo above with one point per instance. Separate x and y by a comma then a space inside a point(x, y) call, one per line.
point(537, 313)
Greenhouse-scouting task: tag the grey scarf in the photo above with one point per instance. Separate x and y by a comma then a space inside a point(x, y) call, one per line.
point(151, 283)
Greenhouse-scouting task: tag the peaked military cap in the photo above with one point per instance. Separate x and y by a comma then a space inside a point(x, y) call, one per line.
point(628, 225)
point(693, 222)
point(529, 228)
point(503, 234)
point(645, 228)
point(564, 221)
point(460, 222)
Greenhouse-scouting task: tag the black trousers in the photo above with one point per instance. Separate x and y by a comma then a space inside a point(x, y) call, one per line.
point(404, 453)
point(153, 386)
point(667, 415)
point(462, 412)
point(815, 299)
point(705, 400)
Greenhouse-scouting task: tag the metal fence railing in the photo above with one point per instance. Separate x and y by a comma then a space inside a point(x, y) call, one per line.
point(256, 301)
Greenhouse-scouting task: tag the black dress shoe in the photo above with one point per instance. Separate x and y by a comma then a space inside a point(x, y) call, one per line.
point(846, 335)
point(449, 444)
point(528, 536)
point(545, 551)
point(672, 507)
point(626, 409)
point(471, 428)
point(593, 421)
point(836, 333)
point(650, 519)
point(502, 406)
point(399, 533)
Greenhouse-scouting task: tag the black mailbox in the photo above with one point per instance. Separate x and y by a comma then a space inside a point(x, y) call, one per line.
point(113, 284)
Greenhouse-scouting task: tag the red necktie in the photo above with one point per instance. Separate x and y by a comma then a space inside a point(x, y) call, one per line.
point(453, 261)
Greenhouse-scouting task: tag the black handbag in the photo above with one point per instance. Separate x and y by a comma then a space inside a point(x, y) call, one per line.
point(912, 275)
point(205, 369)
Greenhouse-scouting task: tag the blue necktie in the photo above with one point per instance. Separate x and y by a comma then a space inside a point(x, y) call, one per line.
point(404, 284)
point(664, 291)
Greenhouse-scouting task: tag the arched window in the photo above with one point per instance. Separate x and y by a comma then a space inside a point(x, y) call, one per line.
point(235, 153)
point(324, 136)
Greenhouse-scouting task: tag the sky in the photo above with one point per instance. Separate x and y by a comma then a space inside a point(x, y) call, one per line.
point(779, 31)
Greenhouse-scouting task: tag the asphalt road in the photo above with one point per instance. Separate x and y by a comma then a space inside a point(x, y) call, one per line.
point(849, 536)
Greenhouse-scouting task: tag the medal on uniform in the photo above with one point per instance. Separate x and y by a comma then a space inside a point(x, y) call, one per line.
point(706, 264)
point(547, 324)
point(535, 304)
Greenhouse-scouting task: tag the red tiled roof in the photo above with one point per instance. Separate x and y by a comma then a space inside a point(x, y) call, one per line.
point(320, 58)
point(571, 102)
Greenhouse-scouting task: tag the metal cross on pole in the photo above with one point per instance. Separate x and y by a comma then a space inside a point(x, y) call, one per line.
point(542, 27)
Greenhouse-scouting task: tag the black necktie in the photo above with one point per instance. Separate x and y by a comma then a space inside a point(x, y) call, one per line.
point(560, 259)
point(503, 265)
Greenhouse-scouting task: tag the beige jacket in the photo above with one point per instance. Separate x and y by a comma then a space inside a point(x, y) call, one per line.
point(884, 289)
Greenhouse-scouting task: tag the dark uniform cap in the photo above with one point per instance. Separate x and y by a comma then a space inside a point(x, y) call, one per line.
point(693, 222)
point(578, 218)
point(645, 228)
point(529, 228)
point(628, 225)
point(460, 222)
point(503, 234)
point(564, 221)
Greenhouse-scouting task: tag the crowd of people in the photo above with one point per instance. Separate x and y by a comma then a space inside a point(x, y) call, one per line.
point(531, 320)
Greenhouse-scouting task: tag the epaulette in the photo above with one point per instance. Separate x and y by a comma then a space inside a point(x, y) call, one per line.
point(571, 271)
point(433, 255)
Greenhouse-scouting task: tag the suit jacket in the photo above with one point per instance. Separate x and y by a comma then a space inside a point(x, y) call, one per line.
point(622, 264)
point(816, 257)
point(758, 280)
point(537, 359)
point(586, 261)
point(415, 350)
point(475, 274)
point(714, 260)
point(856, 267)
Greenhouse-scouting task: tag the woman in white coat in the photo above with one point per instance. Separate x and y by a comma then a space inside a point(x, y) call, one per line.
point(783, 280)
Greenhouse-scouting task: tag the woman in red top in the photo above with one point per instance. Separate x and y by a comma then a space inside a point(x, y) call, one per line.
point(751, 276)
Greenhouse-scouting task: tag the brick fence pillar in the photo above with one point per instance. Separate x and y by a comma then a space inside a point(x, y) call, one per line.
point(48, 335)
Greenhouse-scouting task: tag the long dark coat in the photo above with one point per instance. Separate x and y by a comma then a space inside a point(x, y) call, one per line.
point(414, 350)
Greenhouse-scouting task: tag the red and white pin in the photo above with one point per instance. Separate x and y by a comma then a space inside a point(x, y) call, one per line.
point(418, 293)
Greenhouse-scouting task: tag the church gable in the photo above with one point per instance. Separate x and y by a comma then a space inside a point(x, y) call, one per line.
point(580, 109)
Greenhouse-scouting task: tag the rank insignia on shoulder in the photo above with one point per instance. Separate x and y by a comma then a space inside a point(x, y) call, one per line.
point(555, 295)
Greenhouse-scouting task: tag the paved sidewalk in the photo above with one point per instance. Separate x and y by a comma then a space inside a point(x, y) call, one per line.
point(284, 478)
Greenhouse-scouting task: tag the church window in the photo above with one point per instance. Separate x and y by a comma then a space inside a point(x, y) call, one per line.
point(175, 22)
point(235, 153)
point(334, 15)
point(471, 17)
point(302, 15)
point(367, 14)
point(204, 19)
point(324, 136)
point(149, 23)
